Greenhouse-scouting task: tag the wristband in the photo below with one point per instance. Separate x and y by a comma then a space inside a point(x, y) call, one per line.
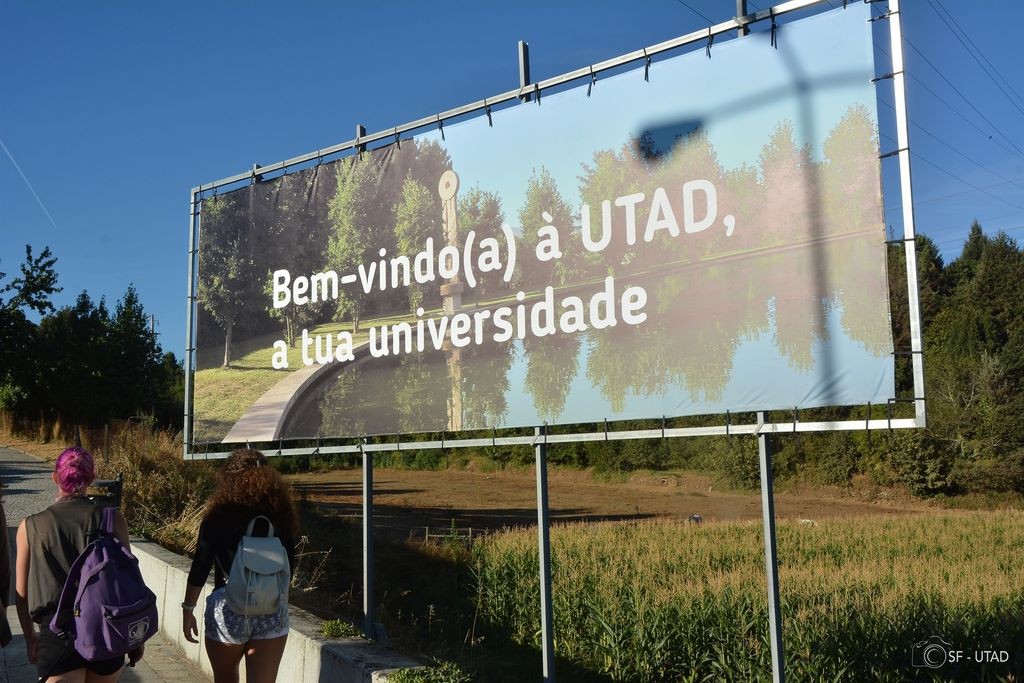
point(187, 606)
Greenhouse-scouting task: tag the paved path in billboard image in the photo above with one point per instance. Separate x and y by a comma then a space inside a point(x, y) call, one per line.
point(264, 420)
point(29, 490)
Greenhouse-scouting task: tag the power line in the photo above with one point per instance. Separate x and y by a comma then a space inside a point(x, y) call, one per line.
point(939, 198)
point(687, 6)
point(981, 221)
point(964, 239)
point(950, 195)
point(940, 98)
point(973, 56)
point(978, 52)
point(959, 179)
point(962, 96)
point(954, 149)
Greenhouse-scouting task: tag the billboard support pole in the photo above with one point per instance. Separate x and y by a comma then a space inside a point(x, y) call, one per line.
point(907, 199)
point(368, 598)
point(544, 548)
point(193, 214)
point(771, 559)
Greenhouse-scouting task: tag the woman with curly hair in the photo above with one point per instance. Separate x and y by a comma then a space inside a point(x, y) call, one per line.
point(247, 488)
point(48, 543)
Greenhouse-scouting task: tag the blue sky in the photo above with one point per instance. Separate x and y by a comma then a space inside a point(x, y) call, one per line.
point(832, 50)
point(113, 111)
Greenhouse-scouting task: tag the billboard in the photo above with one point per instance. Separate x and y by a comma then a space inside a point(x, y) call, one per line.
point(702, 236)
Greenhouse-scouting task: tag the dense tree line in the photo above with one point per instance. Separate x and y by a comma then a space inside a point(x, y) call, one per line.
point(83, 363)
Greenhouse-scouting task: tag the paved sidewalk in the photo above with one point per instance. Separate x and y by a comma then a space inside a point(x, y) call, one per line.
point(162, 662)
point(30, 490)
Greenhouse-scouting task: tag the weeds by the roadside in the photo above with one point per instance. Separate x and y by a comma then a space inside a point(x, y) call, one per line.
point(444, 672)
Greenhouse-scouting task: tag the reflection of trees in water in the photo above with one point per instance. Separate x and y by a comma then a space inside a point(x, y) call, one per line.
point(342, 404)
point(863, 290)
point(421, 387)
point(618, 364)
point(485, 384)
point(699, 317)
point(406, 394)
point(551, 366)
point(411, 393)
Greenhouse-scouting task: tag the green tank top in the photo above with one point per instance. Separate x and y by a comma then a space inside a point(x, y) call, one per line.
point(56, 537)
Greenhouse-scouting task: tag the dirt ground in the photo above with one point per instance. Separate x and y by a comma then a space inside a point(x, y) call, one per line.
point(47, 451)
point(408, 502)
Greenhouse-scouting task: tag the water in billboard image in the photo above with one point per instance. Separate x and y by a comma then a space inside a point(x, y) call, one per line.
point(710, 239)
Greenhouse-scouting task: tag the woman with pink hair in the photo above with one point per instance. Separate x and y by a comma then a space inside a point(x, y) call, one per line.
point(48, 543)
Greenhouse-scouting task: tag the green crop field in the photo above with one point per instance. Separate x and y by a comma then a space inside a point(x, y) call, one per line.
point(679, 602)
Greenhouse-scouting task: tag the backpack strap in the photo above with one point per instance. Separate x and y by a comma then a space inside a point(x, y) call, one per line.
point(69, 593)
point(109, 519)
point(252, 522)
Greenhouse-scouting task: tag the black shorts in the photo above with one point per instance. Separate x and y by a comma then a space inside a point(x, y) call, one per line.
point(55, 656)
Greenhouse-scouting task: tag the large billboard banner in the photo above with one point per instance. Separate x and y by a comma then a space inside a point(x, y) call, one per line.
point(700, 237)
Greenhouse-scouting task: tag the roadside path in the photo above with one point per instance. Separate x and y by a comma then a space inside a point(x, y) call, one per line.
point(29, 490)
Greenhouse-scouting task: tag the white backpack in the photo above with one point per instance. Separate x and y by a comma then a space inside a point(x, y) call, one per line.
point(260, 574)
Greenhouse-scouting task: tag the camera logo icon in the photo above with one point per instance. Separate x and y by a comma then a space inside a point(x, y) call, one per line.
point(931, 653)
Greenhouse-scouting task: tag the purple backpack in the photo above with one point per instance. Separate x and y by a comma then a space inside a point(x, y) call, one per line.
point(105, 606)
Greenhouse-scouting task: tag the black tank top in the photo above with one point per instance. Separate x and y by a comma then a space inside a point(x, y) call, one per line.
point(56, 537)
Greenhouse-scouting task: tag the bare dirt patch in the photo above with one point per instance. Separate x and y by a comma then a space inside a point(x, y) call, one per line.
point(406, 502)
point(47, 451)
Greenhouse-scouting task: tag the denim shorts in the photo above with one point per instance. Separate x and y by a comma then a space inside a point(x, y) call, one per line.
point(225, 626)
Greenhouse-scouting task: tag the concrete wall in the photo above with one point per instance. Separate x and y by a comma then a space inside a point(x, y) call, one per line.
point(308, 657)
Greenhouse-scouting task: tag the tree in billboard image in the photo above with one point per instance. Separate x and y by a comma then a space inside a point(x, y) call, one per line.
point(381, 201)
point(481, 212)
point(228, 269)
point(665, 244)
point(544, 210)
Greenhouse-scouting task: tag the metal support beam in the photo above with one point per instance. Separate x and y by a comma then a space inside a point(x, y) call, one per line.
point(741, 11)
point(771, 559)
point(524, 68)
point(907, 199)
point(624, 435)
point(193, 214)
point(544, 546)
point(369, 618)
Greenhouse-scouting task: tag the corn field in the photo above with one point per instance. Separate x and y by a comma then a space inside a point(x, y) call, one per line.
point(678, 602)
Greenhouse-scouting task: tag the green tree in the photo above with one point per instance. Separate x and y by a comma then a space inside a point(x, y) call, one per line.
point(544, 206)
point(481, 212)
point(20, 360)
point(77, 380)
point(228, 271)
point(962, 269)
point(362, 226)
point(609, 175)
point(35, 286)
point(137, 358)
point(417, 219)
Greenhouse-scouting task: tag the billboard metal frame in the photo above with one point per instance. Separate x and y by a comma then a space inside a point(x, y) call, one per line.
point(761, 428)
point(707, 35)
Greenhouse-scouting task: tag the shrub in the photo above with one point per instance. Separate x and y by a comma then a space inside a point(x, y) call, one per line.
point(339, 628)
point(919, 461)
point(444, 672)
